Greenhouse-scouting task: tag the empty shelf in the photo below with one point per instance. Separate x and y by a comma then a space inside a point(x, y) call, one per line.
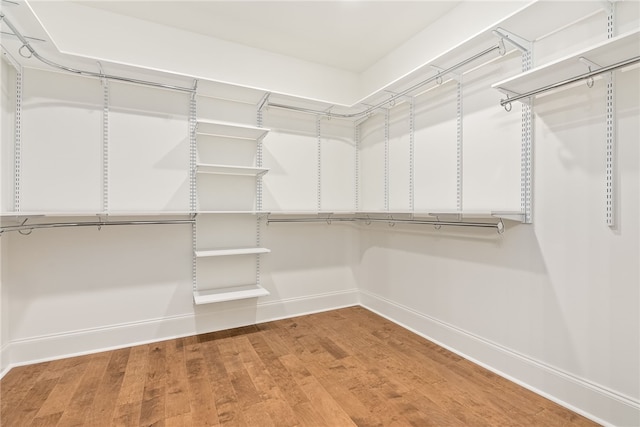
point(611, 51)
point(304, 213)
point(232, 212)
point(230, 130)
point(229, 294)
point(230, 170)
point(91, 214)
point(230, 252)
point(445, 214)
point(509, 215)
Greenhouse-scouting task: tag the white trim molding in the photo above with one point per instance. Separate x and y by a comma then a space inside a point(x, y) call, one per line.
point(5, 365)
point(87, 341)
point(591, 400)
point(598, 403)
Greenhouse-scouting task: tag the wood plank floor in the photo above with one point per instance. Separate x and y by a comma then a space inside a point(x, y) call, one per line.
point(346, 367)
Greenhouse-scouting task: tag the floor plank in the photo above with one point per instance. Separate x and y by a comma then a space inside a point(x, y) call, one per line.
point(82, 399)
point(346, 367)
point(129, 400)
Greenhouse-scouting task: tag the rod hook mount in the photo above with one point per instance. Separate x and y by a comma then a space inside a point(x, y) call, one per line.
point(502, 49)
point(437, 226)
point(506, 103)
point(590, 80)
point(20, 51)
point(590, 66)
point(28, 231)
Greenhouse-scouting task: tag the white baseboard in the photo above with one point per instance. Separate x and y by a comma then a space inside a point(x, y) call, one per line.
point(5, 366)
point(598, 403)
point(207, 319)
point(595, 402)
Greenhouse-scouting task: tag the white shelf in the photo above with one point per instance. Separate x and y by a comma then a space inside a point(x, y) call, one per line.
point(229, 294)
point(407, 214)
point(232, 212)
point(447, 214)
point(61, 214)
point(309, 213)
point(230, 170)
point(612, 51)
point(230, 252)
point(394, 212)
point(230, 130)
point(510, 215)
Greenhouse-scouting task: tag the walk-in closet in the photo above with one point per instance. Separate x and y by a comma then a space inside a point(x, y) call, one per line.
point(325, 213)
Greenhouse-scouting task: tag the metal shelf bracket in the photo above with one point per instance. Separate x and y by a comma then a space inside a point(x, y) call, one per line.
point(520, 43)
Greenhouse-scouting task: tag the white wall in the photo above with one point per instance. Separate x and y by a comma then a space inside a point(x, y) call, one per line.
point(301, 176)
point(554, 305)
point(188, 53)
point(435, 40)
point(74, 290)
point(7, 103)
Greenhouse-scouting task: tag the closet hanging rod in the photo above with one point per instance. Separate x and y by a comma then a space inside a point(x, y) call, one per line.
point(35, 54)
point(327, 220)
point(585, 76)
point(29, 227)
point(499, 226)
point(369, 110)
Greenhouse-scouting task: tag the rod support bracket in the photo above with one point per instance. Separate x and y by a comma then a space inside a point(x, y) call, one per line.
point(591, 66)
point(520, 43)
point(439, 73)
point(264, 102)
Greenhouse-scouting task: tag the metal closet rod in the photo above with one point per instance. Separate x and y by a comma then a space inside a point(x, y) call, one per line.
point(29, 227)
point(394, 97)
point(327, 220)
point(34, 53)
point(499, 226)
point(585, 76)
point(369, 110)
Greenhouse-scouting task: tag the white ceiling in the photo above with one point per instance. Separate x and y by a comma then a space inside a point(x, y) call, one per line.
point(349, 34)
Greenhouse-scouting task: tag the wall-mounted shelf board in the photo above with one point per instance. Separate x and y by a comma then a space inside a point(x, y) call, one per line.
point(310, 213)
point(232, 213)
point(230, 130)
point(509, 215)
point(387, 213)
point(230, 170)
point(91, 214)
point(229, 294)
point(448, 215)
point(606, 53)
point(230, 252)
point(432, 214)
point(557, 15)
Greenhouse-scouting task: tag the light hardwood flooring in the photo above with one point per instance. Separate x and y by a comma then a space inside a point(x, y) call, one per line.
point(340, 368)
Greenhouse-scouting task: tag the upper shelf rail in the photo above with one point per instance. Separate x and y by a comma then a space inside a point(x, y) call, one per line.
point(35, 54)
point(391, 100)
point(506, 103)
